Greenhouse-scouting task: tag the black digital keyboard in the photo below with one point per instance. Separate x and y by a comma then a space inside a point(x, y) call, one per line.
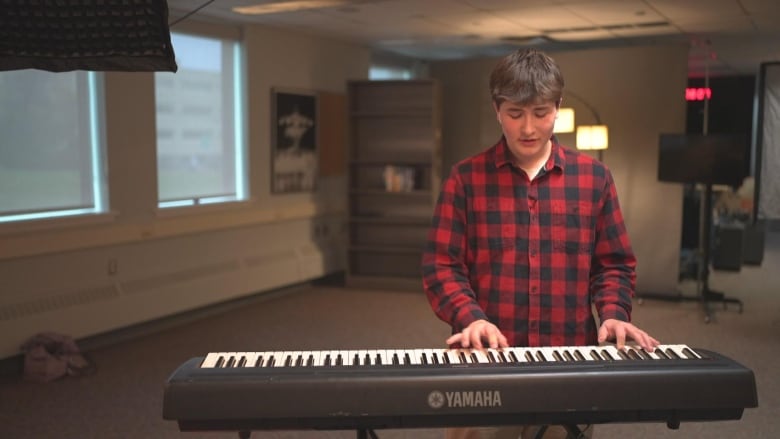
point(429, 388)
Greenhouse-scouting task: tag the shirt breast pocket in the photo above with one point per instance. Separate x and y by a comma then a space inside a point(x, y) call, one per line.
point(573, 226)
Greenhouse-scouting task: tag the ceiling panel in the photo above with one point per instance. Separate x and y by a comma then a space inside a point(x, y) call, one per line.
point(611, 12)
point(740, 31)
point(545, 17)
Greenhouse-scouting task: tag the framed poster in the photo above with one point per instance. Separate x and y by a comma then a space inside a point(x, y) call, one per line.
point(293, 140)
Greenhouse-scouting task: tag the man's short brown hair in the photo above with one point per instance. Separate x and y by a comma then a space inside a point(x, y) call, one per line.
point(526, 76)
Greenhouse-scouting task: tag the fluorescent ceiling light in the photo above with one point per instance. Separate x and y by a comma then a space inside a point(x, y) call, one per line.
point(287, 6)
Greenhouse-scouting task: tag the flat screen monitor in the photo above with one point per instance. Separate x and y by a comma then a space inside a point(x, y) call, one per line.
point(699, 158)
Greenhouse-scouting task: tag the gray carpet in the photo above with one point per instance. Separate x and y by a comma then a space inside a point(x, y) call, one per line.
point(124, 399)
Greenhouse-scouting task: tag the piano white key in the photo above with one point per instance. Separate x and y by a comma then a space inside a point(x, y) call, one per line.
point(428, 356)
point(362, 357)
point(414, 356)
point(451, 356)
point(211, 359)
point(515, 355)
point(679, 350)
point(549, 354)
point(279, 358)
point(480, 356)
point(251, 358)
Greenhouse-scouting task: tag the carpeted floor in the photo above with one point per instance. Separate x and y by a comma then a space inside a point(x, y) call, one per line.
point(124, 399)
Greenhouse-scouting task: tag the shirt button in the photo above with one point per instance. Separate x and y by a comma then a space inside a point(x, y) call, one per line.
point(534, 289)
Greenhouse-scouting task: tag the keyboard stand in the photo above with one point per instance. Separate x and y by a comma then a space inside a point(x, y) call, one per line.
point(572, 431)
point(366, 433)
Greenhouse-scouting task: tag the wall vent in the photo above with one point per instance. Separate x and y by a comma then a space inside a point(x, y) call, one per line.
point(41, 305)
point(188, 275)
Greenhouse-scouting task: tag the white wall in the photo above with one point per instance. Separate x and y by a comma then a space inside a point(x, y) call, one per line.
point(87, 276)
point(639, 93)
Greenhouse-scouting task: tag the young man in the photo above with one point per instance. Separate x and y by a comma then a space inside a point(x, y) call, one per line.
point(528, 235)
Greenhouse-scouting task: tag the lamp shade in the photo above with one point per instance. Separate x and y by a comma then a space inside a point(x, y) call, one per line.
point(592, 137)
point(564, 122)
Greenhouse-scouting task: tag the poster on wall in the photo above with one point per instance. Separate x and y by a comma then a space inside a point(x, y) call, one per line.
point(293, 141)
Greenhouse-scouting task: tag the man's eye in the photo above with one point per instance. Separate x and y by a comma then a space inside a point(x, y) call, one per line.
point(541, 113)
point(515, 115)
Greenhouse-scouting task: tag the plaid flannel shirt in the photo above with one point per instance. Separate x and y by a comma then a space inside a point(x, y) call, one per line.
point(533, 257)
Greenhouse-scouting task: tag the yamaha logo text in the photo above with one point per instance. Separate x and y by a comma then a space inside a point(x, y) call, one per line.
point(476, 398)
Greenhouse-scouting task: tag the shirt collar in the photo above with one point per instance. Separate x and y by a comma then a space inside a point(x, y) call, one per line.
point(557, 159)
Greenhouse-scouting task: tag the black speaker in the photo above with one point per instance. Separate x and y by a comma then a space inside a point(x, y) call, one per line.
point(727, 249)
point(753, 244)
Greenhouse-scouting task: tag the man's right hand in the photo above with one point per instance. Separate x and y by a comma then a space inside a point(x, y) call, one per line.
point(476, 333)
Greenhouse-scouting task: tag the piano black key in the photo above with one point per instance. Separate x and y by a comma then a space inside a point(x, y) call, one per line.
point(327, 360)
point(271, 361)
point(356, 360)
point(367, 359)
point(259, 361)
point(632, 354)
point(288, 360)
point(339, 360)
point(395, 359)
point(231, 362)
point(662, 354)
point(557, 356)
point(530, 357)
point(513, 357)
point(310, 360)
point(299, 361)
point(643, 355)
point(378, 359)
point(242, 361)
point(672, 354)
point(540, 356)
point(689, 353)
point(220, 361)
point(622, 354)
point(567, 356)
point(407, 358)
point(491, 357)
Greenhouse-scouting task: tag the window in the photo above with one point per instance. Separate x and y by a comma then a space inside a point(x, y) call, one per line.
point(200, 139)
point(380, 72)
point(51, 152)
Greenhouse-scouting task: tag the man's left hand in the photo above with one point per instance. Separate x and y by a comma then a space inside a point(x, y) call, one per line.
point(617, 331)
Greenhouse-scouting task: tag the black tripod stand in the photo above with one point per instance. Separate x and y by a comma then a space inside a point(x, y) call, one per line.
point(708, 295)
point(705, 294)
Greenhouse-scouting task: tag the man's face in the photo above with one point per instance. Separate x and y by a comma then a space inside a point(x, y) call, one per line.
point(527, 128)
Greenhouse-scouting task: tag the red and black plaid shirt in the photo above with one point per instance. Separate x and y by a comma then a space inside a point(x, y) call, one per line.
point(530, 256)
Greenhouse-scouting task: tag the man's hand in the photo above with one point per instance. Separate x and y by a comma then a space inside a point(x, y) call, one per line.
point(478, 331)
point(617, 331)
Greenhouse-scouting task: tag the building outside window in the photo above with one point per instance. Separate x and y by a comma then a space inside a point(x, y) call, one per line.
point(52, 146)
point(200, 134)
